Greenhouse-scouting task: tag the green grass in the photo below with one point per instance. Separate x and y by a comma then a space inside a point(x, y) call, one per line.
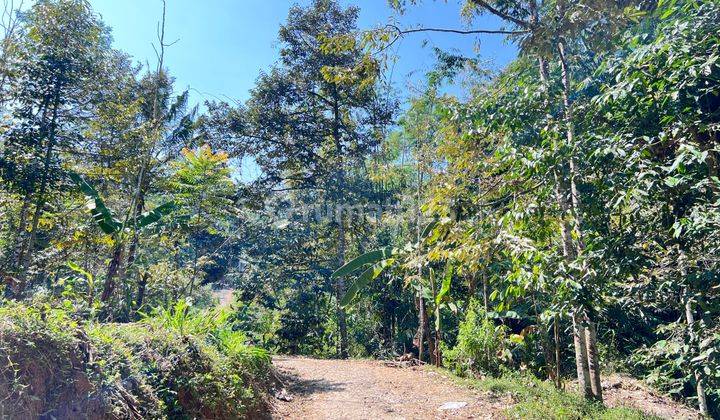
point(535, 399)
point(178, 363)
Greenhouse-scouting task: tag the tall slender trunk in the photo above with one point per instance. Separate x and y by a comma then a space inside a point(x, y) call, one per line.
point(420, 335)
point(486, 303)
point(700, 388)
point(422, 316)
point(581, 362)
point(41, 199)
point(690, 319)
point(570, 253)
point(429, 337)
point(590, 352)
point(17, 249)
point(134, 242)
point(340, 288)
point(593, 360)
point(435, 346)
point(339, 212)
point(556, 333)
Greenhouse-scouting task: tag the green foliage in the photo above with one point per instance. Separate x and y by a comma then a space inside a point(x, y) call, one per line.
point(104, 217)
point(665, 363)
point(181, 363)
point(100, 213)
point(537, 399)
point(363, 279)
point(482, 346)
point(364, 259)
point(584, 176)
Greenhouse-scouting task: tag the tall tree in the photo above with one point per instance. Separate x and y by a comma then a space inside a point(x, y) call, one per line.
point(317, 115)
point(54, 88)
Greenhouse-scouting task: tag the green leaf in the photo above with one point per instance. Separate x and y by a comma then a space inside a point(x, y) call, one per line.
point(367, 258)
point(672, 181)
point(429, 228)
point(368, 275)
point(445, 288)
point(76, 268)
point(153, 216)
point(100, 213)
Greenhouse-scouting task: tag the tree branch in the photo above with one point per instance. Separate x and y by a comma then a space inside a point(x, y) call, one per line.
point(401, 32)
point(461, 32)
point(504, 16)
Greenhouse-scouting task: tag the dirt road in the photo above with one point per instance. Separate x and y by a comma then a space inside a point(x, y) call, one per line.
point(368, 389)
point(365, 389)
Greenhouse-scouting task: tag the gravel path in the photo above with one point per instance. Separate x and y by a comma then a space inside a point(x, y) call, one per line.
point(365, 389)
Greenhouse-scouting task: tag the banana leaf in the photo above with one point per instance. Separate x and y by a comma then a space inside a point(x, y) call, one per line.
point(367, 258)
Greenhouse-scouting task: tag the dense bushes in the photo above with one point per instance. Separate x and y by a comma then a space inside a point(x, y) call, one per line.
point(481, 345)
point(179, 363)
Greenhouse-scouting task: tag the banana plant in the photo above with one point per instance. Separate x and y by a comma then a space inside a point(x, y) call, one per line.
point(377, 260)
point(110, 225)
point(104, 217)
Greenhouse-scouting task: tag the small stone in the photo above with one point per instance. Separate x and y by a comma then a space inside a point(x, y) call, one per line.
point(283, 395)
point(453, 405)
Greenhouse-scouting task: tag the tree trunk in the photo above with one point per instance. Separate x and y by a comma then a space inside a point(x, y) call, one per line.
point(132, 251)
point(700, 389)
point(40, 202)
point(556, 331)
point(593, 360)
point(590, 349)
point(486, 303)
point(339, 212)
point(112, 271)
point(438, 331)
point(142, 285)
point(18, 241)
point(422, 315)
point(581, 362)
point(340, 290)
point(420, 336)
point(428, 335)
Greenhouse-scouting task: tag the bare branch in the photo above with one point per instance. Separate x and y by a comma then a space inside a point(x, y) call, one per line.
point(400, 32)
point(462, 32)
point(502, 15)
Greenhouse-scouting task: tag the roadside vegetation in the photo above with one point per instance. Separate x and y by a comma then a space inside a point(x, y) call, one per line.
point(179, 363)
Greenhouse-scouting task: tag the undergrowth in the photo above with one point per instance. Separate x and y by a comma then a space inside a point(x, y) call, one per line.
point(535, 399)
point(176, 363)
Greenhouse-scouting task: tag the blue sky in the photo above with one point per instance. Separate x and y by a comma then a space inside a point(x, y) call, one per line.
point(222, 45)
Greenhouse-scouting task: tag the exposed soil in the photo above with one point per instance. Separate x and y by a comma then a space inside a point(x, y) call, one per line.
point(620, 390)
point(367, 389)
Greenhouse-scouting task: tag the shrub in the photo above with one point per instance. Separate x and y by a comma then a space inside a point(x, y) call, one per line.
point(179, 363)
point(536, 399)
point(669, 365)
point(481, 347)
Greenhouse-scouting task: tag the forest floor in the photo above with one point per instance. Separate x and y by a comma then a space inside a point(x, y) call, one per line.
point(367, 389)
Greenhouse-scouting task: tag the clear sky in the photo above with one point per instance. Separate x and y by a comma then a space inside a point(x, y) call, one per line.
point(224, 44)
